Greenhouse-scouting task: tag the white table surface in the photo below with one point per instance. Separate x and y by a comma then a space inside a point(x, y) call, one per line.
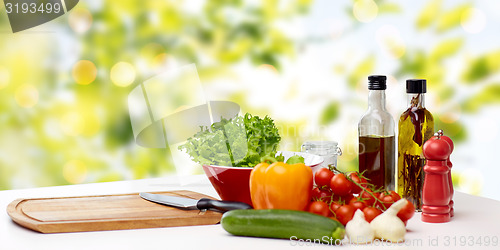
point(476, 220)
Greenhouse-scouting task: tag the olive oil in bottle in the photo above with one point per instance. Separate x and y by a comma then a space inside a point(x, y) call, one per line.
point(416, 126)
point(376, 159)
point(376, 137)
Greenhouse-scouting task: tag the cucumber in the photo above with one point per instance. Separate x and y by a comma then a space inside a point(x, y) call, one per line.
point(283, 224)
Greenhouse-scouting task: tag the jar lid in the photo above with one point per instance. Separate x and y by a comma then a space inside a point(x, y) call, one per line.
point(321, 148)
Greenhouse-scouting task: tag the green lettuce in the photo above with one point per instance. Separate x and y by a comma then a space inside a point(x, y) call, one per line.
point(238, 142)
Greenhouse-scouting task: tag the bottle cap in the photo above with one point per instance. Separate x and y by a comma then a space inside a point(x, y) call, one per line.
point(377, 82)
point(415, 86)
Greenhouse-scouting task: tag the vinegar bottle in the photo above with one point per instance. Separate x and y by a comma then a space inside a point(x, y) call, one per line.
point(416, 126)
point(376, 137)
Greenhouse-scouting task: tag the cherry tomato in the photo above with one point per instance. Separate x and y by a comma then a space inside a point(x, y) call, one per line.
point(368, 197)
point(388, 198)
point(345, 199)
point(406, 212)
point(357, 203)
point(315, 194)
point(335, 205)
point(319, 207)
point(340, 185)
point(345, 213)
point(371, 212)
point(323, 176)
point(395, 196)
point(321, 194)
point(355, 177)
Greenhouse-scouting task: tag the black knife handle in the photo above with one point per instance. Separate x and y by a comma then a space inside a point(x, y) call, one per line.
point(223, 206)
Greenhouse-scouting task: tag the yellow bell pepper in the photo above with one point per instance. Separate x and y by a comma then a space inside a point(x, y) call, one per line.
point(281, 186)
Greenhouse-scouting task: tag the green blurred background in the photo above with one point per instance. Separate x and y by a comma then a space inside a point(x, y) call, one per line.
point(64, 85)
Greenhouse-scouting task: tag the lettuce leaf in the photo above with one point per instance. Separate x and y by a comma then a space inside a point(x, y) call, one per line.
point(238, 142)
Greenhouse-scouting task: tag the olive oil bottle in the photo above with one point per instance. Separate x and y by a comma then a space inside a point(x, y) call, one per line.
point(416, 126)
point(377, 149)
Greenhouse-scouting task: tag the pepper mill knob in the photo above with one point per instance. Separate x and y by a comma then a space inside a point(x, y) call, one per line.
point(436, 194)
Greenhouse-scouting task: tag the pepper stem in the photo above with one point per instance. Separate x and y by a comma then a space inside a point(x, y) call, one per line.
point(268, 159)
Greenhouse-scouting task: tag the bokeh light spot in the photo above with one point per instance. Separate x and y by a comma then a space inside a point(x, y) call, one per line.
point(473, 20)
point(84, 72)
point(365, 10)
point(4, 77)
point(75, 171)
point(471, 181)
point(80, 20)
point(92, 124)
point(390, 40)
point(452, 115)
point(268, 67)
point(72, 124)
point(26, 96)
point(392, 80)
point(154, 55)
point(122, 74)
point(159, 59)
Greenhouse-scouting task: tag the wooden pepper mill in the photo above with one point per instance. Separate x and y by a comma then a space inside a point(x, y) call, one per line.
point(436, 193)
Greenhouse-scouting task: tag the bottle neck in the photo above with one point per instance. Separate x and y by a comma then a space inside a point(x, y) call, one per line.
point(416, 100)
point(376, 99)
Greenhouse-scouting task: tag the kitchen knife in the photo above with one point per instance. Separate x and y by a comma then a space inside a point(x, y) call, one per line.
point(188, 203)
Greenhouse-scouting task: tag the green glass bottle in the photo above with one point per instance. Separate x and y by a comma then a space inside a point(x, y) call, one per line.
point(416, 126)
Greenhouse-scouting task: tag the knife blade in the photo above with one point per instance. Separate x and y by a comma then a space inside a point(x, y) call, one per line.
point(188, 203)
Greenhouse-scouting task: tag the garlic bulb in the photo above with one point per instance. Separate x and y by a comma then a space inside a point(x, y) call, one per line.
point(358, 230)
point(388, 226)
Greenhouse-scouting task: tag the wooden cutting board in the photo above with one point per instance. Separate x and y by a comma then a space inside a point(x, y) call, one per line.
point(109, 212)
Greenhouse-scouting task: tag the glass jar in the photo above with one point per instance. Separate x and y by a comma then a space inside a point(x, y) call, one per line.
point(329, 150)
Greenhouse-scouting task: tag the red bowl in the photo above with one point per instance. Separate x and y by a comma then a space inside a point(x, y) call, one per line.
point(232, 183)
